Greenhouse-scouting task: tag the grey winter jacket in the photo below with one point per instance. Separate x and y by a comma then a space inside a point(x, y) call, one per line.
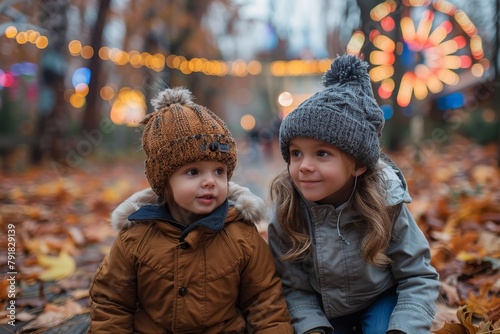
point(337, 281)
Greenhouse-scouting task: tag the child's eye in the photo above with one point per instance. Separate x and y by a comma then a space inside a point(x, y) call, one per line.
point(295, 153)
point(322, 153)
point(192, 171)
point(220, 171)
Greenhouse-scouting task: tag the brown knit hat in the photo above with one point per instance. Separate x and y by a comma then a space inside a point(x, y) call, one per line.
point(180, 132)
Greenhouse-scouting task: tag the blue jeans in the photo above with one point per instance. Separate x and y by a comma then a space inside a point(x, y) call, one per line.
point(372, 320)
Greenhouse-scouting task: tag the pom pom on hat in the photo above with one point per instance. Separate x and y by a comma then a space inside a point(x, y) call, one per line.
point(345, 114)
point(346, 69)
point(180, 132)
point(167, 97)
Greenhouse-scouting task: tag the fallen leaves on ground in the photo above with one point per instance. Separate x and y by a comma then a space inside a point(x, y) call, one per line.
point(62, 232)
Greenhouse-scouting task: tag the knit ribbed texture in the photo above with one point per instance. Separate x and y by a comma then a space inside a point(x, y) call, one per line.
point(180, 132)
point(345, 114)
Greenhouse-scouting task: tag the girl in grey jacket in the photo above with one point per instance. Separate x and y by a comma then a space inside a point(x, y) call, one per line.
point(351, 257)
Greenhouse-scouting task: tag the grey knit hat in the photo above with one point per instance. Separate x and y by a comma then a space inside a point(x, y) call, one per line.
point(344, 114)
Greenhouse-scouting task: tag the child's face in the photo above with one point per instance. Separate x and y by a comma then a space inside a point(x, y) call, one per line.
point(198, 188)
point(320, 171)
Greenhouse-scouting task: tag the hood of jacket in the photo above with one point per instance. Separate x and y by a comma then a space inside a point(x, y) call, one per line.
point(250, 207)
point(397, 188)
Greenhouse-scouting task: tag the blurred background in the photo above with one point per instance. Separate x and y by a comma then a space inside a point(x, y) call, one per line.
point(77, 76)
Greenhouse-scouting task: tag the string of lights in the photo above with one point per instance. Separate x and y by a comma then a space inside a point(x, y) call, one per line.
point(158, 61)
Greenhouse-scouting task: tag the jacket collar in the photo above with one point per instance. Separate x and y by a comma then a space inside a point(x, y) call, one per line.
point(214, 221)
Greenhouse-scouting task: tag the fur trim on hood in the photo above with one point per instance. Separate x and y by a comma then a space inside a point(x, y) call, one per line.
point(251, 207)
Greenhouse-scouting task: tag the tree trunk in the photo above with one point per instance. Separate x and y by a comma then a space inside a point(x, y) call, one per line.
point(91, 116)
point(52, 123)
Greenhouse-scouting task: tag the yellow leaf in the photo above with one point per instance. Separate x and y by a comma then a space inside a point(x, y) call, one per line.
point(467, 256)
point(57, 267)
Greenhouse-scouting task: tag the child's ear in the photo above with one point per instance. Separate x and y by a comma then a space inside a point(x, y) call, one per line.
point(359, 170)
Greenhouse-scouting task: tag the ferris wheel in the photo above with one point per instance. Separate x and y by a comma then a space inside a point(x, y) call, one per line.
point(430, 42)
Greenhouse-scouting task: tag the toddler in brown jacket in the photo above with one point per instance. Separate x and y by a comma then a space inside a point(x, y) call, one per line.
point(188, 257)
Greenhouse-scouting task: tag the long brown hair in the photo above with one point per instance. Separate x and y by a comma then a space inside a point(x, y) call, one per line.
point(369, 201)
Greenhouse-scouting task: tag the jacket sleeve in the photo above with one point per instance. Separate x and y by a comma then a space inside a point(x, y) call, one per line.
point(113, 293)
point(261, 297)
point(304, 303)
point(418, 281)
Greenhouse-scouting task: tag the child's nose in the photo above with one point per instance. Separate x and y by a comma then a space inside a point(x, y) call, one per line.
point(208, 180)
point(306, 165)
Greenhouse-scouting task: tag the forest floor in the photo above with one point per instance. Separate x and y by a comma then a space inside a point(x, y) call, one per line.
point(55, 230)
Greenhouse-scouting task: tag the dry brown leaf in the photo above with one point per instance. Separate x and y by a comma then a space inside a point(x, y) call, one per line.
point(494, 315)
point(76, 235)
point(80, 293)
point(46, 320)
point(490, 242)
point(452, 329)
point(441, 254)
point(444, 314)
point(464, 315)
point(54, 315)
point(25, 316)
point(465, 242)
point(484, 173)
point(4, 317)
point(483, 302)
point(69, 309)
point(4, 288)
point(451, 293)
point(466, 326)
point(46, 244)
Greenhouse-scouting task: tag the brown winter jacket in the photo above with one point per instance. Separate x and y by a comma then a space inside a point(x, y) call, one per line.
point(157, 279)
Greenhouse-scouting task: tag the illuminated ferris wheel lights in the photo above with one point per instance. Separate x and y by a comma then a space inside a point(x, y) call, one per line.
point(445, 48)
point(405, 89)
point(388, 84)
point(447, 76)
point(384, 43)
point(466, 61)
point(422, 71)
point(373, 34)
point(424, 27)
point(476, 46)
point(387, 23)
point(408, 29)
point(478, 54)
point(485, 63)
point(465, 23)
point(381, 72)
point(436, 51)
point(445, 7)
point(477, 70)
point(461, 41)
point(384, 93)
point(416, 3)
point(380, 11)
point(356, 43)
point(452, 62)
point(420, 89)
point(434, 84)
point(382, 58)
point(438, 35)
